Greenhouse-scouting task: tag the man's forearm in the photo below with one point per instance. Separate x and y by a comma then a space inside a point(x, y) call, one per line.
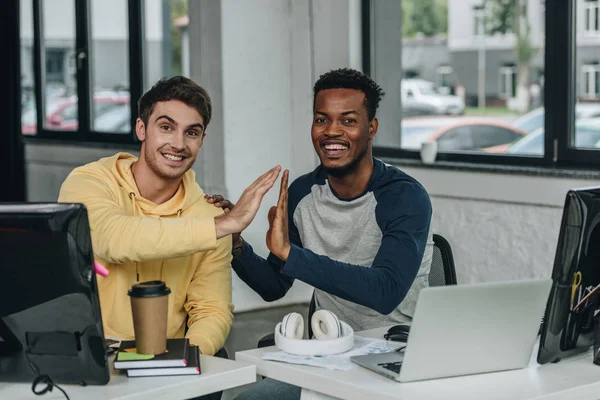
point(260, 275)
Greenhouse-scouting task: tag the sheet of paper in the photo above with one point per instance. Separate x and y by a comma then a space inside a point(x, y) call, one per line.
point(362, 346)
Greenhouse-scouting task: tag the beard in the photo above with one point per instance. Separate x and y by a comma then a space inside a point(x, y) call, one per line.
point(164, 173)
point(344, 170)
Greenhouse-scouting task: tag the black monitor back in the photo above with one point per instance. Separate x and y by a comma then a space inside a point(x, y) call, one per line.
point(50, 321)
point(566, 332)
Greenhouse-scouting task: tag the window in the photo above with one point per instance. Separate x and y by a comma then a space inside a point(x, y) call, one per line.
point(55, 65)
point(28, 104)
point(109, 82)
point(83, 70)
point(591, 16)
point(444, 78)
point(591, 81)
point(459, 138)
point(507, 82)
point(479, 22)
point(495, 114)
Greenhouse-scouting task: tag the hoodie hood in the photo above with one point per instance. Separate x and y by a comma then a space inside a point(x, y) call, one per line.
point(187, 194)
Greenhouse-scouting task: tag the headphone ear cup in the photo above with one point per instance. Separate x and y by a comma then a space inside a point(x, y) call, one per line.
point(326, 325)
point(292, 326)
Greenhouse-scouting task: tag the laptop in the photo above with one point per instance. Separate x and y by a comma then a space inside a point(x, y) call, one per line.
point(467, 329)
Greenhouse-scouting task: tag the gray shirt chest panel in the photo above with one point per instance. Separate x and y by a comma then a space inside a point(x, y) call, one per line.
point(346, 231)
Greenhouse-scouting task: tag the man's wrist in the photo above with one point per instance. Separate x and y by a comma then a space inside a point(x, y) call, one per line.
point(223, 226)
point(285, 253)
point(238, 248)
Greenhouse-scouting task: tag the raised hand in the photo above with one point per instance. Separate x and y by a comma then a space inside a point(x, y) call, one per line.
point(221, 202)
point(242, 214)
point(278, 240)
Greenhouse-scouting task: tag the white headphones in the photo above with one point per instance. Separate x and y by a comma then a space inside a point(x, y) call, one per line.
point(324, 324)
point(332, 335)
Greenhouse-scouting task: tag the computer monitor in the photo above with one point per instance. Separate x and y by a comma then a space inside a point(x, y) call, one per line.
point(50, 321)
point(567, 328)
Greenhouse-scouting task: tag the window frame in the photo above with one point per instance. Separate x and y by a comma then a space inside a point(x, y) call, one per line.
point(85, 132)
point(559, 99)
point(443, 72)
point(507, 76)
point(590, 71)
point(591, 16)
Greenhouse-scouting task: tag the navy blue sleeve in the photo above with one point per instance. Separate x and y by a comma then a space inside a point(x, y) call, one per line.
point(263, 275)
point(404, 216)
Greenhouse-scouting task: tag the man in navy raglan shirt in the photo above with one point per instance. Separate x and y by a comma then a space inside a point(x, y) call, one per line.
point(355, 228)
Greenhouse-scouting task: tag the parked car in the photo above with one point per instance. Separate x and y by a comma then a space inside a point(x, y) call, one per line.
point(65, 117)
point(420, 97)
point(476, 134)
point(117, 119)
point(587, 135)
point(534, 119)
point(416, 130)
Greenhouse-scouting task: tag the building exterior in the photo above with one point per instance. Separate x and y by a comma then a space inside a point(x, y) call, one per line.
point(467, 50)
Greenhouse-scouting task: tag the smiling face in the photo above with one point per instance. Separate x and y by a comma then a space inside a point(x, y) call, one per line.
point(341, 130)
point(171, 139)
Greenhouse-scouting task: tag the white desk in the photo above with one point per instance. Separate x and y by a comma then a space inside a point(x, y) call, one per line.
point(573, 378)
point(217, 374)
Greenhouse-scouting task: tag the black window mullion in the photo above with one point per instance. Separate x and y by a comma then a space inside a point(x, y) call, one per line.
point(38, 61)
point(559, 93)
point(82, 55)
point(136, 65)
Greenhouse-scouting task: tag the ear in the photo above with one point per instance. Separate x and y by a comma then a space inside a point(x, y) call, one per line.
point(140, 129)
point(373, 126)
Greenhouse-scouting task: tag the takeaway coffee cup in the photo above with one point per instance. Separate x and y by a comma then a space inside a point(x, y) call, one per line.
point(428, 152)
point(149, 306)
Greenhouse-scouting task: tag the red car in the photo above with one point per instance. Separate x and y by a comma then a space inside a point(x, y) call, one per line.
point(476, 134)
point(63, 115)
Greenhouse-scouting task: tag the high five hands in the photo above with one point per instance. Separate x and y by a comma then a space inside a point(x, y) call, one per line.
point(277, 236)
point(242, 214)
point(278, 240)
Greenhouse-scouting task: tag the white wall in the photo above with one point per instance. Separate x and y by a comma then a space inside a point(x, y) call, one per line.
point(272, 52)
point(500, 227)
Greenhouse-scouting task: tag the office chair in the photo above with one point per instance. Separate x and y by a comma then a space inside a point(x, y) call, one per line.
point(442, 273)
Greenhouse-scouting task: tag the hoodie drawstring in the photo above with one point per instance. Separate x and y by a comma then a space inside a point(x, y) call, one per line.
point(162, 265)
point(132, 197)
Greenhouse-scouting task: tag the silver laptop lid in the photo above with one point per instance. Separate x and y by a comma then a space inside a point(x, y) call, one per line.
point(475, 328)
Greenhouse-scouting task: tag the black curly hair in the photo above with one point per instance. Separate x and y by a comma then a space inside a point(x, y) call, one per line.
point(346, 78)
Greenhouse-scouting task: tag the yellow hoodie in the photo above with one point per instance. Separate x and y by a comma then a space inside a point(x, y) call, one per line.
point(138, 240)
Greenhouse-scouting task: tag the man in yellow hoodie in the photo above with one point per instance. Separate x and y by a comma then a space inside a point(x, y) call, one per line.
point(149, 220)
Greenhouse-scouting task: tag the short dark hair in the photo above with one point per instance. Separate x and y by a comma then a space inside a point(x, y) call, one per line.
point(346, 78)
point(176, 88)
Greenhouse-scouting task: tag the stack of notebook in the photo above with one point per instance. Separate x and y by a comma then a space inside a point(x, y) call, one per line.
point(181, 358)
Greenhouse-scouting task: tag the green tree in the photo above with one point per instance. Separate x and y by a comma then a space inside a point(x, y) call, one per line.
point(512, 16)
point(429, 17)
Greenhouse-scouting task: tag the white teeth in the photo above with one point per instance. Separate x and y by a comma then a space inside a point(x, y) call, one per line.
point(335, 147)
point(173, 158)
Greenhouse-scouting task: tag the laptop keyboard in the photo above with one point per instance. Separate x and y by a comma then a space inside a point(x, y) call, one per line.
point(392, 366)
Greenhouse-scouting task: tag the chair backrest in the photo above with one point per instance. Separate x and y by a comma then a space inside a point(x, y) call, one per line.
point(442, 271)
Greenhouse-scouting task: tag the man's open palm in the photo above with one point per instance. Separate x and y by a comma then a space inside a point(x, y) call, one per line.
point(278, 240)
